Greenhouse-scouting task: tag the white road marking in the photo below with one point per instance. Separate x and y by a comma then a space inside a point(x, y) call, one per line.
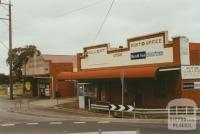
point(80, 122)
point(109, 132)
point(7, 125)
point(56, 123)
point(32, 123)
point(104, 122)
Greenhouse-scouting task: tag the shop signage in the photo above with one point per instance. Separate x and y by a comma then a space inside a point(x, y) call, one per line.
point(191, 85)
point(144, 54)
point(188, 85)
point(196, 85)
point(184, 51)
point(157, 41)
point(144, 50)
point(96, 51)
point(190, 72)
point(28, 86)
point(117, 55)
point(36, 65)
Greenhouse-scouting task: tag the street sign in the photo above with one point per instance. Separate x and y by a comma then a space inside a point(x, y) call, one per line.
point(127, 108)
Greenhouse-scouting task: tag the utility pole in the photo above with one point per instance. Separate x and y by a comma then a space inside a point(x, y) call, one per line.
point(10, 45)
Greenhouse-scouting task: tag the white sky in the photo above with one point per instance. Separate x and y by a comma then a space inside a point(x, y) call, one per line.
point(54, 30)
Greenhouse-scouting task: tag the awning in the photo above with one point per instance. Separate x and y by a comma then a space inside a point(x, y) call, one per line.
point(136, 72)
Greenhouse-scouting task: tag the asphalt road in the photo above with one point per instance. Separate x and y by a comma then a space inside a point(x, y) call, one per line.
point(13, 123)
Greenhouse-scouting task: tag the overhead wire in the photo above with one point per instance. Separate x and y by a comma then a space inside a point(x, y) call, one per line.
point(4, 8)
point(104, 21)
point(81, 8)
point(4, 23)
point(4, 45)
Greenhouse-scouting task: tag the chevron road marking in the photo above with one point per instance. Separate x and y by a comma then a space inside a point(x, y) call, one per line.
point(122, 108)
point(113, 107)
point(131, 108)
point(127, 108)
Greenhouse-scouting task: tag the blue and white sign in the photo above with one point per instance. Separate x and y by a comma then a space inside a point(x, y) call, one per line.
point(144, 54)
point(191, 85)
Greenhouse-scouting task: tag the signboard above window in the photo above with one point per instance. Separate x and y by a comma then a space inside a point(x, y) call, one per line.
point(147, 49)
point(190, 72)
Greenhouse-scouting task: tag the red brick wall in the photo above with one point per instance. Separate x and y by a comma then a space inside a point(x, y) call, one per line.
point(172, 91)
point(66, 88)
point(147, 90)
point(193, 94)
point(195, 56)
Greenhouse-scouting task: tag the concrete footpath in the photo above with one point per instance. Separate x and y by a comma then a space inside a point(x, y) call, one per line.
point(65, 108)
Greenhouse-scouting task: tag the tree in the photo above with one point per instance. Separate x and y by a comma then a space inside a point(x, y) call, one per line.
point(20, 57)
point(4, 79)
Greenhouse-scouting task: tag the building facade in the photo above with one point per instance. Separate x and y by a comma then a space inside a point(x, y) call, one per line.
point(40, 74)
point(149, 72)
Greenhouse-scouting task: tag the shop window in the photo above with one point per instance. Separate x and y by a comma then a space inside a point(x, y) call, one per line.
point(160, 88)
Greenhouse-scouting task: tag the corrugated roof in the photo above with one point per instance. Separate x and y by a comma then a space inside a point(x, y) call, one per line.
point(60, 58)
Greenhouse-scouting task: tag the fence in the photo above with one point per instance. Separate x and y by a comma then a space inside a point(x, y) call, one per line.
point(130, 109)
point(22, 103)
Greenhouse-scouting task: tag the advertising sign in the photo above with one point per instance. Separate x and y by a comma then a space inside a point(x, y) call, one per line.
point(191, 85)
point(139, 51)
point(144, 54)
point(196, 85)
point(184, 51)
point(190, 72)
point(28, 86)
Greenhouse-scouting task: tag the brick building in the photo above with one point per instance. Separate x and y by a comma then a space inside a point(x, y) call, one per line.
point(40, 74)
point(152, 69)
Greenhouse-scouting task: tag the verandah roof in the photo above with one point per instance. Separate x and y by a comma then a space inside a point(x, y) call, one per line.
point(136, 72)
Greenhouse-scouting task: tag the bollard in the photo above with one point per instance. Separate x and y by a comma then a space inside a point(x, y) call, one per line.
point(89, 104)
point(28, 104)
point(100, 131)
point(20, 104)
point(134, 114)
point(138, 131)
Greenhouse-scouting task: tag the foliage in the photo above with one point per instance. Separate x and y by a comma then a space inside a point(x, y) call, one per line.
point(4, 79)
point(20, 57)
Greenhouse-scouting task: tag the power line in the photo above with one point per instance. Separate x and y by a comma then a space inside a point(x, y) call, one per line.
point(81, 8)
point(4, 7)
point(4, 45)
point(4, 23)
point(104, 20)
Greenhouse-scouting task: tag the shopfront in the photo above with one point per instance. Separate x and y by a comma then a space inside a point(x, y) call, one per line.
point(146, 73)
point(40, 75)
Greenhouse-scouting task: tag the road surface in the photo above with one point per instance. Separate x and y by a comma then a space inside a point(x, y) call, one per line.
point(13, 123)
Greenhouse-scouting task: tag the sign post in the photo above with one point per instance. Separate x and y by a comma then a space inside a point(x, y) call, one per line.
point(122, 83)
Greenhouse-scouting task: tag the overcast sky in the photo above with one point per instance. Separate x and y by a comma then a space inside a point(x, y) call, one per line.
point(54, 27)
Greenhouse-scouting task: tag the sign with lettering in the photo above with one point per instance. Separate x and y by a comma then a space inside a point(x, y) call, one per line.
point(190, 72)
point(191, 85)
point(184, 51)
point(144, 54)
point(155, 42)
point(149, 49)
point(36, 66)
